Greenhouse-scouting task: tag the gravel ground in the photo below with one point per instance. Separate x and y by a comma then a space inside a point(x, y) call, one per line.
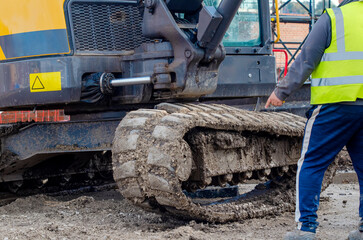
point(106, 215)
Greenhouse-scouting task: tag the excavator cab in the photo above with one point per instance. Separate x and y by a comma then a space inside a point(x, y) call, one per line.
point(249, 68)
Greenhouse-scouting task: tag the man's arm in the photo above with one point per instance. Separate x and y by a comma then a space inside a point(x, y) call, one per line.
point(309, 58)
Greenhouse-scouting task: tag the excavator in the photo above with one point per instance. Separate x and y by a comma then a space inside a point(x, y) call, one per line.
point(165, 96)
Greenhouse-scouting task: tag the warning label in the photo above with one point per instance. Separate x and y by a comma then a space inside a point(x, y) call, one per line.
point(2, 55)
point(45, 82)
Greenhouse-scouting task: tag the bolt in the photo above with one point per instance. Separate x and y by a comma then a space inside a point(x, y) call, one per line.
point(188, 53)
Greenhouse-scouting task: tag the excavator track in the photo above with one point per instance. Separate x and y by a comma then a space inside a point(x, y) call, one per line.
point(159, 155)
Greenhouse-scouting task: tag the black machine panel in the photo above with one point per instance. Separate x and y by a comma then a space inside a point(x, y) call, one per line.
point(185, 6)
point(106, 27)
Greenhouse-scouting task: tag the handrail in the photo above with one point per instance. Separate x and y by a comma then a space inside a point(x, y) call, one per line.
point(286, 58)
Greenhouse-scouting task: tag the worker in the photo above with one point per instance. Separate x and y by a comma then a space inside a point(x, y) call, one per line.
point(333, 56)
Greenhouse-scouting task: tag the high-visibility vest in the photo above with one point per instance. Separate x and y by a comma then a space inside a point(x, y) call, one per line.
point(339, 75)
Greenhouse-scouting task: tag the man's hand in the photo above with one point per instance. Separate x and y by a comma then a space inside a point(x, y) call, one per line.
point(274, 101)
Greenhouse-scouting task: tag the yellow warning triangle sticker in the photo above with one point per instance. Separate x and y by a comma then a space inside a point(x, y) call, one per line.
point(45, 82)
point(2, 55)
point(37, 85)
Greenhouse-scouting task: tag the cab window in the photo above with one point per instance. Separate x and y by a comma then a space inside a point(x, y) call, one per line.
point(245, 27)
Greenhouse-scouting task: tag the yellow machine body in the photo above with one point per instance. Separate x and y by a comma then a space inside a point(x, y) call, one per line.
point(30, 28)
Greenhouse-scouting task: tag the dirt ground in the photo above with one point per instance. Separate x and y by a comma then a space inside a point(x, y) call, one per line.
point(106, 215)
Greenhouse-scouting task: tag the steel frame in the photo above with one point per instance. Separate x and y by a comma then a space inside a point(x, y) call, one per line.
point(310, 19)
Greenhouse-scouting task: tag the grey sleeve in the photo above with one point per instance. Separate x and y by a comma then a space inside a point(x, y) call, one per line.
point(311, 53)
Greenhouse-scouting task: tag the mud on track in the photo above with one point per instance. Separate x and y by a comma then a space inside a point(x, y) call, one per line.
point(105, 215)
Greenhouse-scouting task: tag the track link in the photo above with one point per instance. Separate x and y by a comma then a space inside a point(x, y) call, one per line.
point(152, 159)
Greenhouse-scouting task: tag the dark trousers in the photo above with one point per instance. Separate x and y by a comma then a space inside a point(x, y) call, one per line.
point(329, 128)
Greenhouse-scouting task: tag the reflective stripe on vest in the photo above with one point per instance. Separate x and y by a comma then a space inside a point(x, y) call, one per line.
point(339, 76)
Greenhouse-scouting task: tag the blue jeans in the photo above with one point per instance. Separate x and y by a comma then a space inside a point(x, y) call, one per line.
point(329, 128)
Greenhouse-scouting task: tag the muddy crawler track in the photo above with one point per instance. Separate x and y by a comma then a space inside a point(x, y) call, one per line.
point(151, 159)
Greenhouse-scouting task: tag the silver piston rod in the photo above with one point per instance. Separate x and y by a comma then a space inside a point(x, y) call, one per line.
point(108, 82)
point(130, 81)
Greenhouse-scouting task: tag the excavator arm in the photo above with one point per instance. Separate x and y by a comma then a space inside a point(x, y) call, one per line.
point(197, 56)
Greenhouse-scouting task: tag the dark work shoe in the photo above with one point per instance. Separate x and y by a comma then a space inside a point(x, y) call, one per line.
point(360, 225)
point(355, 235)
point(299, 235)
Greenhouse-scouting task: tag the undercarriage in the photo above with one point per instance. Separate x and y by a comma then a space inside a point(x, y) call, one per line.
point(160, 155)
